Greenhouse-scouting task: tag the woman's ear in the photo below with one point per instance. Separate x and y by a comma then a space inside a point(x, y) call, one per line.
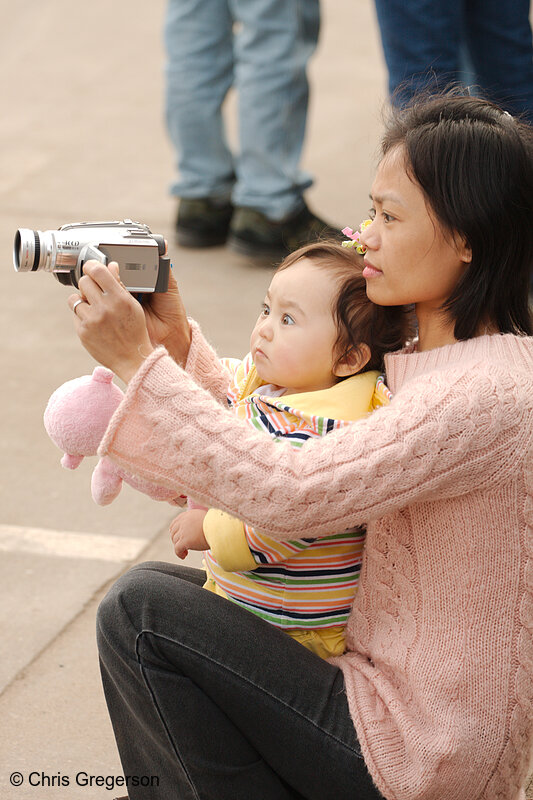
point(464, 251)
point(352, 363)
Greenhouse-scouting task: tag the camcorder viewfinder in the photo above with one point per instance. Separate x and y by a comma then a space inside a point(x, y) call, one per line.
point(140, 254)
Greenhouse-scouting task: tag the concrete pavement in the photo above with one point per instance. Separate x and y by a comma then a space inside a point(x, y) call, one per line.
point(82, 138)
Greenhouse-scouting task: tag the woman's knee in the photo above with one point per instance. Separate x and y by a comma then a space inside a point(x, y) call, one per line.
point(122, 605)
point(147, 597)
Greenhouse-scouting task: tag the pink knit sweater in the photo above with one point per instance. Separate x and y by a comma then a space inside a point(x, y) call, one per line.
point(439, 672)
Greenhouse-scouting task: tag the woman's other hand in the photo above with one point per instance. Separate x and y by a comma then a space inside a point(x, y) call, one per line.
point(166, 321)
point(110, 323)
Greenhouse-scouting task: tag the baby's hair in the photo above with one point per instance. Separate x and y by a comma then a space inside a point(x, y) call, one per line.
point(474, 163)
point(358, 320)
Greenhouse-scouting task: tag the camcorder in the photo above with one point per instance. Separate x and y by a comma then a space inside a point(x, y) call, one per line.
point(140, 254)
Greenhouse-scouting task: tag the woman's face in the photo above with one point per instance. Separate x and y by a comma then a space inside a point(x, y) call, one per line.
point(408, 259)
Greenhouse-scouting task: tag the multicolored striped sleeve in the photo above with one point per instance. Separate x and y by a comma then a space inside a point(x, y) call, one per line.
point(239, 370)
point(233, 365)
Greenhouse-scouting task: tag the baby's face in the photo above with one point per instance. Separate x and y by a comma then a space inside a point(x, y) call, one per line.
point(292, 344)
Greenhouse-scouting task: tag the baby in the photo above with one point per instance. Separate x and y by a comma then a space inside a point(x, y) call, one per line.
point(314, 365)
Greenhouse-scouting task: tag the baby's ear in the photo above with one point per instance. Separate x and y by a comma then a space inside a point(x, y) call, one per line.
point(352, 363)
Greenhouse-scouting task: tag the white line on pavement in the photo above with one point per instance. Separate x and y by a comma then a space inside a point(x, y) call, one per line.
point(69, 544)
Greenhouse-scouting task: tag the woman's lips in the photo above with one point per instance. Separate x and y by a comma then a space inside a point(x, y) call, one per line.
point(370, 271)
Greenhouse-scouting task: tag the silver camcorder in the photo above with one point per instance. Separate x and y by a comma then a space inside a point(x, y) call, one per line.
point(140, 254)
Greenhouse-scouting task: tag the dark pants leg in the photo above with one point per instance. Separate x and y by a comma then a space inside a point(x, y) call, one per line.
point(499, 39)
point(422, 42)
point(218, 704)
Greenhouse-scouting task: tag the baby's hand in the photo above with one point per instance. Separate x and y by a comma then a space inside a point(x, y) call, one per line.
point(187, 532)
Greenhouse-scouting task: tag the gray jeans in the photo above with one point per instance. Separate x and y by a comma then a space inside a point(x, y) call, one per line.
point(208, 702)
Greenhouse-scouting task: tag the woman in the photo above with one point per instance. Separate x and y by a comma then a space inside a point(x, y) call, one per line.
point(433, 698)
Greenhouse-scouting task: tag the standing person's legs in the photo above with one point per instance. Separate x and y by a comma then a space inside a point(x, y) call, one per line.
point(199, 73)
point(273, 43)
point(421, 43)
point(499, 38)
point(218, 704)
point(498, 34)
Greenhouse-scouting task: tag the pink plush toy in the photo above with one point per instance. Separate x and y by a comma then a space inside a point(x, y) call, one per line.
point(76, 418)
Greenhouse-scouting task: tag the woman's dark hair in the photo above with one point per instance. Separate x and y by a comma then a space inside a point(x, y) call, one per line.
point(358, 319)
point(474, 163)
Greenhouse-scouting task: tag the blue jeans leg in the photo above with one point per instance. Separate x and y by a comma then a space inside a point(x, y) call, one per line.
point(273, 43)
point(218, 704)
point(199, 72)
point(261, 47)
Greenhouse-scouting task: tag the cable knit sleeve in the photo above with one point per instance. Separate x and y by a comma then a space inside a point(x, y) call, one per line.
point(204, 365)
point(445, 433)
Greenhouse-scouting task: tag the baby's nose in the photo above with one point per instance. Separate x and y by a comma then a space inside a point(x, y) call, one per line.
point(265, 329)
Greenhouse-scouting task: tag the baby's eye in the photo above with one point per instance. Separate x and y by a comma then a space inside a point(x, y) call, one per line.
point(265, 311)
point(287, 320)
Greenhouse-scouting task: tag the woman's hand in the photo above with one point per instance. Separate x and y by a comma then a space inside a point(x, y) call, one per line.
point(166, 321)
point(187, 532)
point(110, 323)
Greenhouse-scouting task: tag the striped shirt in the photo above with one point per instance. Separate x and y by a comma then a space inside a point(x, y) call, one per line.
point(306, 583)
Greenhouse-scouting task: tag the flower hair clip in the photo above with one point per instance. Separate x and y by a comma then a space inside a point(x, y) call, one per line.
point(353, 239)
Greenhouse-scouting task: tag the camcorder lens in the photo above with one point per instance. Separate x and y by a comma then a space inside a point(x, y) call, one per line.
point(27, 250)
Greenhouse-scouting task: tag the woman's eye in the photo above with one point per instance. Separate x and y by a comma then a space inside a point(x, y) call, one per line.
point(387, 217)
point(372, 213)
point(287, 320)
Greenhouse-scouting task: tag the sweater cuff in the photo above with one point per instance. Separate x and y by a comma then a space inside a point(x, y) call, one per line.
point(227, 541)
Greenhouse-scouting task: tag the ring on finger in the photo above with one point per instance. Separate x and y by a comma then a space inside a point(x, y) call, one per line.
point(76, 304)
